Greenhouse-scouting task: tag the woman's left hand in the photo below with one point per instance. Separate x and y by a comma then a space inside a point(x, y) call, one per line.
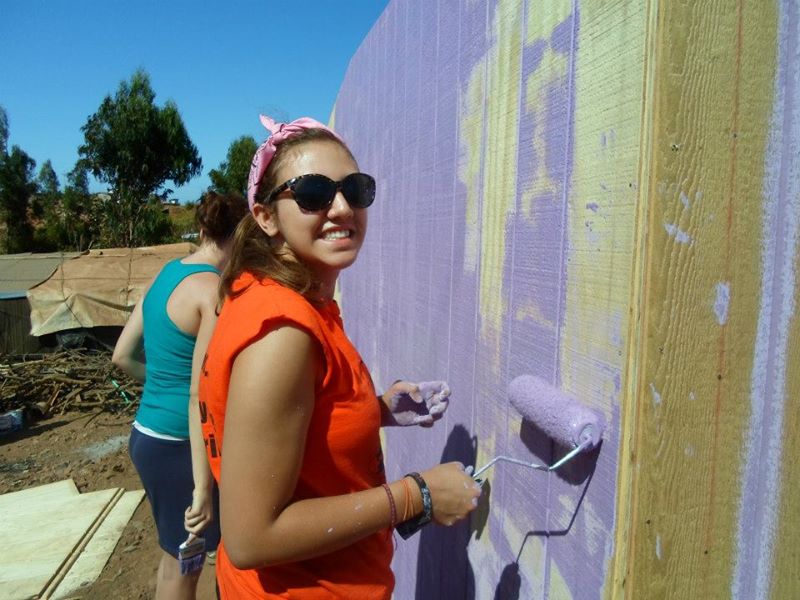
point(200, 513)
point(416, 403)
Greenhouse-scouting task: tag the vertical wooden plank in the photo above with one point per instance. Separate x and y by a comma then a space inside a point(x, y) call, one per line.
point(503, 54)
point(15, 325)
point(533, 277)
point(700, 295)
point(601, 210)
point(786, 563)
point(768, 563)
point(442, 565)
point(600, 169)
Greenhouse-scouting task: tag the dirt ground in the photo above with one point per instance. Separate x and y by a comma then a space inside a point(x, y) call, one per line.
point(92, 450)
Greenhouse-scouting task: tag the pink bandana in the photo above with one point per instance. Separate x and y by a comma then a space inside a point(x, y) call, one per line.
point(278, 133)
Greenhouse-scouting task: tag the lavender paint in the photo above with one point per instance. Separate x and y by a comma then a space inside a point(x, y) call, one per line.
point(760, 500)
point(411, 302)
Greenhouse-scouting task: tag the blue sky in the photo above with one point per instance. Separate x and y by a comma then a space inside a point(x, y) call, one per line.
point(221, 62)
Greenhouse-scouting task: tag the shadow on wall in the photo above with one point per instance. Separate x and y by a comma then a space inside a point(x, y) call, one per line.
point(578, 471)
point(574, 472)
point(510, 583)
point(443, 567)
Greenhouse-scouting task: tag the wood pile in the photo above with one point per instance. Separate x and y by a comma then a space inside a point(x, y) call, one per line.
point(49, 384)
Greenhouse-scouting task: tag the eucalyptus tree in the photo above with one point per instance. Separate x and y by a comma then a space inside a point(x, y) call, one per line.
point(135, 147)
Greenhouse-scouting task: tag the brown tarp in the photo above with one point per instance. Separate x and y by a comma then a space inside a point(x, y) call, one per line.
point(20, 272)
point(99, 288)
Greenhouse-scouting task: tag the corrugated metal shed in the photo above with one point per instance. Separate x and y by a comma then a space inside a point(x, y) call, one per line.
point(18, 273)
point(15, 323)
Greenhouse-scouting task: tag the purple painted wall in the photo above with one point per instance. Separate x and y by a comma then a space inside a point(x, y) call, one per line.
point(414, 306)
point(552, 180)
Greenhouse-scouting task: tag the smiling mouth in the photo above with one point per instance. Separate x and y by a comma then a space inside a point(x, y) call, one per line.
point(338, 234)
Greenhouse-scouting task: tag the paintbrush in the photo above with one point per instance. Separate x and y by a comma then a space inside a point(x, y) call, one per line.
point(191, 555)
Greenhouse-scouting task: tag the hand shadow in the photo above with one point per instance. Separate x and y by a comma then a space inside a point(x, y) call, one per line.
point(443, 567)
point(510, 583)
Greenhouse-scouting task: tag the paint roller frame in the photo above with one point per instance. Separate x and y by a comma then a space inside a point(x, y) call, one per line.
point(563, 418)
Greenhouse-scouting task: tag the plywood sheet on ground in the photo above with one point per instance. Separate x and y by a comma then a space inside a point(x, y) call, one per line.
point(57, 489)
point(65, 566)
point(37, 536)
point(95, 555)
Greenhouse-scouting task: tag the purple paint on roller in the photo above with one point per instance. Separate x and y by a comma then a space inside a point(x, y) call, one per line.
point(557, 414)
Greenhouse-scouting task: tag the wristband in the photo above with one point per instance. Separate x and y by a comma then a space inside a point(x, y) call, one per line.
point(392, 508)
point(410, 527)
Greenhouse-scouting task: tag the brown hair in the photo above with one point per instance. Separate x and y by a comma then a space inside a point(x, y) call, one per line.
point(253, 250)
point(218, 215)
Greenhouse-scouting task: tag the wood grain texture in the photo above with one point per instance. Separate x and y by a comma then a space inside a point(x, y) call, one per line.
point(530, 275)
point(57, 489)
point(38, 536)
point(786, 566)
point(712, 65)
point(78, 549)
point(90, 562)
point(599, 262)
point(575, 190)
point(784, 185)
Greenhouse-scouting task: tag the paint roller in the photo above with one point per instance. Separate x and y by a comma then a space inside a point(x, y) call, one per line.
point(563, 418)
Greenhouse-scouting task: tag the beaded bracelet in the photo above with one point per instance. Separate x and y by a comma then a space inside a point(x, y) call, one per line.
point(408, 507)
point(392, 507)
point(410, 527)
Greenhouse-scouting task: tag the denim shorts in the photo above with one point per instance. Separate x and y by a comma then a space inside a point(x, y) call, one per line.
point(165, 468)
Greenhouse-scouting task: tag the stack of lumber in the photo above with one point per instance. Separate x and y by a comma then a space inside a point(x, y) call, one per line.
point(49, 384)
point(55, 541)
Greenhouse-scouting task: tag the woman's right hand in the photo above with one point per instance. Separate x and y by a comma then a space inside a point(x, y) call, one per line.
point(454, 494)
point(198, 516)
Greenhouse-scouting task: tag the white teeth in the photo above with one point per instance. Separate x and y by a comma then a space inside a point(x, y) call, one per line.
point(336, 235)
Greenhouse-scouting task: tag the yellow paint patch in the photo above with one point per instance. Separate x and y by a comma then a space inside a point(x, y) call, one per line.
point(500, 168)
point(595, 534)
point(332, 120)
point(602, 181)
point(601, 206)
point(471, 139)
point(540, 23)
point(487, 449)
point(530, 548)
point(529, 310)
point(551, 74)
point(559, 590)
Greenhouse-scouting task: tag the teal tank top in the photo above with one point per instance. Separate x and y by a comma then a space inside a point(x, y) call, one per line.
point(164, 406)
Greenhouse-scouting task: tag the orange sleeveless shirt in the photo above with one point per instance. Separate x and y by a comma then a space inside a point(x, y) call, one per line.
point(342, 452)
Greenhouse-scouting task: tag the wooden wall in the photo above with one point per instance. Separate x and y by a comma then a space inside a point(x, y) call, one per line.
point(604, 194)
point(711, 511)
point(15, 326)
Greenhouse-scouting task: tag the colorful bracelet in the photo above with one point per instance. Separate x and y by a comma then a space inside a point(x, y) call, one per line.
point(392, 507)
point(410, 527)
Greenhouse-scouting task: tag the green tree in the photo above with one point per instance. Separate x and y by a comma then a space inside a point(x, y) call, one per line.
point(184, 220)
point(75, 225)
point(231, 175)
point(16, 188)
point(48, 180)
point(155, 227)
point(3, 132)
point(49, 196)
point(135, 147)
